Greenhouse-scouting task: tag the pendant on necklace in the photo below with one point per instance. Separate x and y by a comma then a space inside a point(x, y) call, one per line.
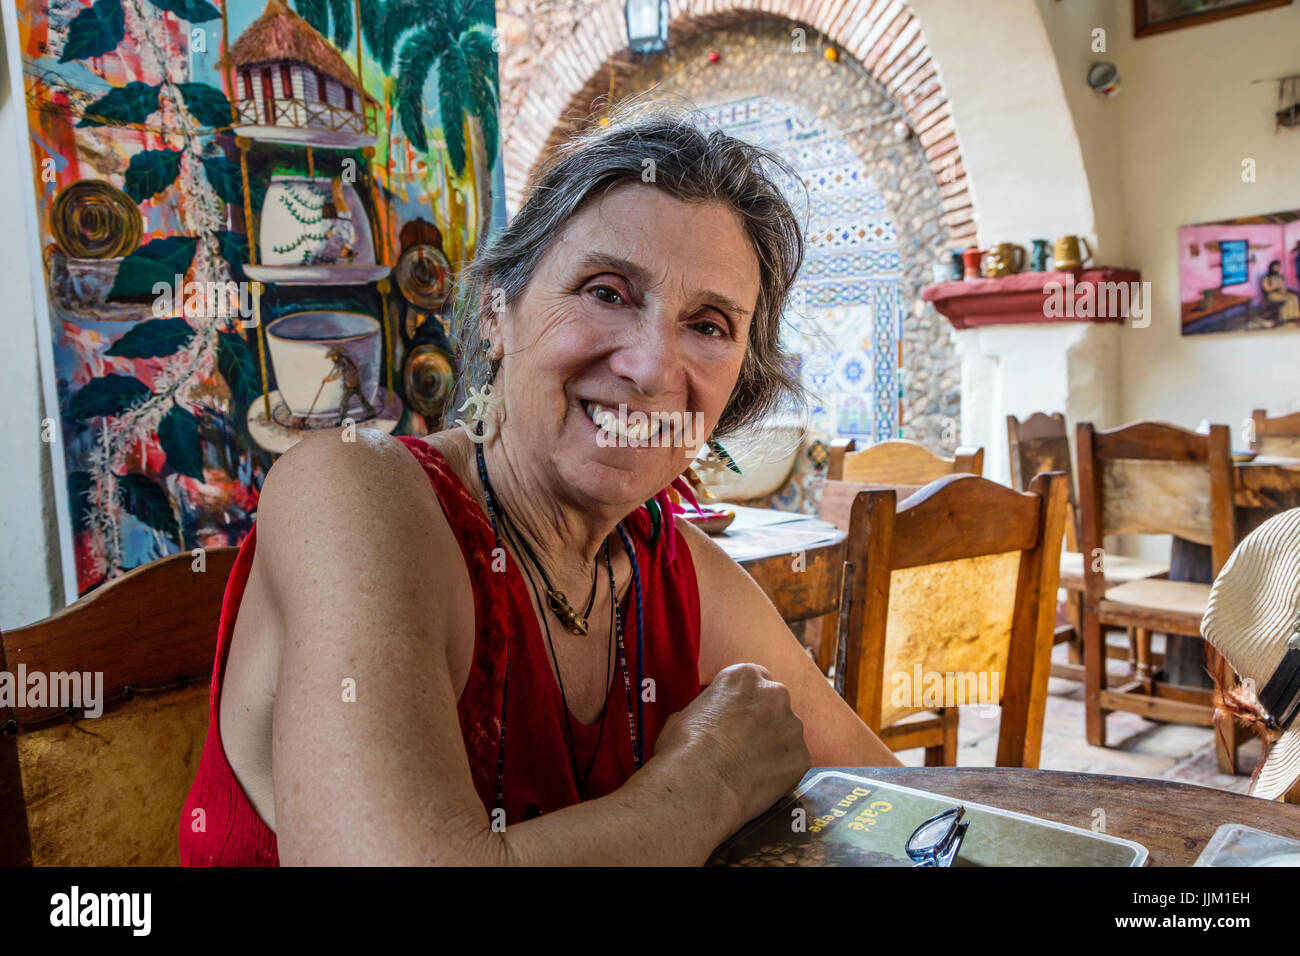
point(567, 615)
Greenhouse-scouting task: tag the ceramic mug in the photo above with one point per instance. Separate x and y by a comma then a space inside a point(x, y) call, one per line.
point(971, 259)
point(298, 343)
point(1066, 254)
point(1040, 256)
point(958, 269)
point(1004, 259)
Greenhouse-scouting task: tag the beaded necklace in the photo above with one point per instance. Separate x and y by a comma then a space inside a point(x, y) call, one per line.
point(633, 720)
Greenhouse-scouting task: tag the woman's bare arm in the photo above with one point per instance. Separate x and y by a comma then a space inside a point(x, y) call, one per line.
point(739, 623)
point(368, 762)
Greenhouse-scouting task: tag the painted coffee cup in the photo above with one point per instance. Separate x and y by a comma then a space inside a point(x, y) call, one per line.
point(299, 344)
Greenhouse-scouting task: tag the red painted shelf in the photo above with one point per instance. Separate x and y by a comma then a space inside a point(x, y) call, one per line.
point(1023, 298)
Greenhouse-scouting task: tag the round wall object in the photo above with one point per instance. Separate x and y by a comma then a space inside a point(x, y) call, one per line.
point(95, 220)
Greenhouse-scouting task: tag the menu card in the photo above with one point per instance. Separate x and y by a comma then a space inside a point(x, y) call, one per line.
point(840, 819)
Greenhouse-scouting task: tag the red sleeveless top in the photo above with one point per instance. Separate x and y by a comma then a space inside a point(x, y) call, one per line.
point(538, 770)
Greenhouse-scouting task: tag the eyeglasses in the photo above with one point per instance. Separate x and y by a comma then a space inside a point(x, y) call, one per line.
point(936, 841)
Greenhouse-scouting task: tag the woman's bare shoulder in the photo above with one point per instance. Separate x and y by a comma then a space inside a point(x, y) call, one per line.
point(358, 519)
point(349, 482)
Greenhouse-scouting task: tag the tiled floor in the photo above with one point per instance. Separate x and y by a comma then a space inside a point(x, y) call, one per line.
point(1136, 746)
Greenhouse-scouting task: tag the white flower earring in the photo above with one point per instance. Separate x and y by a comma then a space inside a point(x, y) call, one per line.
point(488, 409)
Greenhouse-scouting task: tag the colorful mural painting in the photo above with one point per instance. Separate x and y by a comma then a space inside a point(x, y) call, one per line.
point(250, 219)
point(1239, 275)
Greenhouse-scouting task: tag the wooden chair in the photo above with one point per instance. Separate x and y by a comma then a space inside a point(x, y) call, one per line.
point(903, 465)
point(898, 462)
point(1151, 478)
point(108, 791)
point(959, 579)
point(1276, 436)
point(1041, 444)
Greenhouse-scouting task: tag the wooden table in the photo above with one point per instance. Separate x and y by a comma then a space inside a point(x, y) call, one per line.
point(798, 561)
point(1261, 489)
point(1174, 821)
point(1267, 484)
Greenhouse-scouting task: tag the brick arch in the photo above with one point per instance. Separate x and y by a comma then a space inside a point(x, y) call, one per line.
point(883, 35)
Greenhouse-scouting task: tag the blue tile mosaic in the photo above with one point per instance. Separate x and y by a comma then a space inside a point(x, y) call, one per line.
point(852, 265)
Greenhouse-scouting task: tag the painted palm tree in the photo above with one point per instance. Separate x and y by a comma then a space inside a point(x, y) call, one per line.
point(333, 19)
point(456, 37)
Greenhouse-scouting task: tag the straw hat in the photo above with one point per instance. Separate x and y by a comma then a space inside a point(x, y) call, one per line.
point(1254, 611)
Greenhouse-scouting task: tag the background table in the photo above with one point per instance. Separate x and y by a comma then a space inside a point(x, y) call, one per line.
point(796, 559)
point(1174, 821)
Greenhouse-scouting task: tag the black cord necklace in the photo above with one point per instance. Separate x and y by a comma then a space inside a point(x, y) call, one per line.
point(558, 603)
point(632, 718)
point(559, 677)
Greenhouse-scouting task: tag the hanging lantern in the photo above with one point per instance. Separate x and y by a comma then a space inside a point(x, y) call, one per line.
point(647, 25)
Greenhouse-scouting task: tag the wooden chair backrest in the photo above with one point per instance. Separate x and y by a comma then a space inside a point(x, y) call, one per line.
point(1276, 436)
point(1037, 445)
point(959, 579)
point(902, 465)
point(898, 462)
point(1154, 478)
point(78, 791)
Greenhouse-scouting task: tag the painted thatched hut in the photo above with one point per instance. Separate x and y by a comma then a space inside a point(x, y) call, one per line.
point(292, 86)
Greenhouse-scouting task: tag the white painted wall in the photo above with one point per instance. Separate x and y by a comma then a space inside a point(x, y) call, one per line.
point(1072, 29)
point(30, 582)
point(1190, 116)
point(1032, 177)
point(1012, 118)
point(1070, 367)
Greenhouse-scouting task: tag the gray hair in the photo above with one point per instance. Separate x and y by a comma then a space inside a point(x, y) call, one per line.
point(691, 163)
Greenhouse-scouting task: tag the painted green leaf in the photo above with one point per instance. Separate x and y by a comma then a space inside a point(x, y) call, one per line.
point(236, 365)
point(206, 103)
point(178, 434)
point(110, 394)
point(153, 339)
point(234, 249)
point(341, 15)
point(158, 261)
point(228, 182)
point(195, 11)
point(95, 31)
point(150, 172)
point(127, 104)
point(78, 497)
point(148, 501)
point(420, 51)
point(314, 12)
point(225, 178)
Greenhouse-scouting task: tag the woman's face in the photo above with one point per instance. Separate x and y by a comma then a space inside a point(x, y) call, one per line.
point(642, 302)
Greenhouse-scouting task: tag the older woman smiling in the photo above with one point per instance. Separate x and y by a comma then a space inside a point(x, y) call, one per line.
point(400, 677)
